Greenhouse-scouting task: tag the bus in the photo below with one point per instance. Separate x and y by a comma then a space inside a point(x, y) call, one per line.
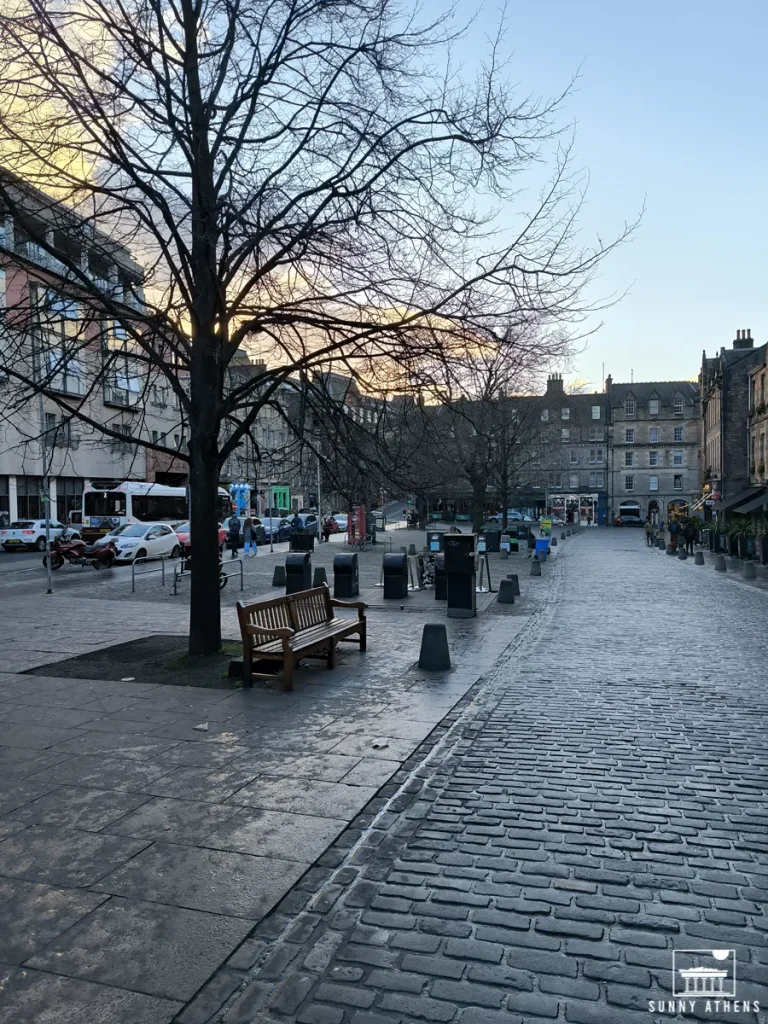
point(111, 503)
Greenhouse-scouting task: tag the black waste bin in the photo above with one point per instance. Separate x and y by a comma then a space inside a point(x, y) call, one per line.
point(441, 579)
point(298, 573)
point(493, 540)
point(346, 577)
point(435, 540)
point(301, 542)
point(395, 577)
point(460, 571)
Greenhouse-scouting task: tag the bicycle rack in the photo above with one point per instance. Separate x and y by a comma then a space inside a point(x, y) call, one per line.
point(179, 573)
point(148, 572)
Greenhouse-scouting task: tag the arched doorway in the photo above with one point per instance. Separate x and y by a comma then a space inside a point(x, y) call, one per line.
point(653, 511)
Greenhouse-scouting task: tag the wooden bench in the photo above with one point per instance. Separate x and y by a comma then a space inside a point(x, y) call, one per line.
point(296, 626)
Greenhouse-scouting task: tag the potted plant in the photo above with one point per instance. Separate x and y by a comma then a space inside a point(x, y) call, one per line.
point(760, 528)
point(738, 528)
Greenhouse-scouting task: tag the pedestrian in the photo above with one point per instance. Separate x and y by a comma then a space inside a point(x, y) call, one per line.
point(689, 533)
point(674, 533)
point(296, 523)
point(649, 532)
point(327, 528)
point(249, 539)
point(531, 543)
point(233, 540)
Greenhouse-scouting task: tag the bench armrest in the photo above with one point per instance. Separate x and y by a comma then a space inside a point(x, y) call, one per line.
point(282, 633)
point(359, 605)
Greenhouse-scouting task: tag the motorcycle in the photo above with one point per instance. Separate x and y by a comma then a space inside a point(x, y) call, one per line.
point(77, 552)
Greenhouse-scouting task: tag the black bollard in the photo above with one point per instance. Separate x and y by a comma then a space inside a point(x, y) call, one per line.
point(506, 592)
point(515, 582)
point(319, 577)
point(278, 577)
point(434, 655)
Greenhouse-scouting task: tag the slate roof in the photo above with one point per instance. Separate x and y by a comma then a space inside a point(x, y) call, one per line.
point(665, 390)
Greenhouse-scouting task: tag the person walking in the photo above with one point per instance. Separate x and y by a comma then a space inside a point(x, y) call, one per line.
point(674, 533)
point(689, 533)
point(531, 543)
point(233, 539)
point(327, 527)
point(249, 539)
point(649, 532)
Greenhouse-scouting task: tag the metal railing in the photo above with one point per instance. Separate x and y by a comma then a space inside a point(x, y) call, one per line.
point(162, 559)
point(180, 573)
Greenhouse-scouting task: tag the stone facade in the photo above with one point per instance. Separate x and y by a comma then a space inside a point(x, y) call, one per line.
point(654, 447)
point(726, 425)
point(758, 422)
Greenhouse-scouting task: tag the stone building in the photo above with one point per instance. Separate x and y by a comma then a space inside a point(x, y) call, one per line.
point(758, 422)
point(726, 425)
point(653, 447)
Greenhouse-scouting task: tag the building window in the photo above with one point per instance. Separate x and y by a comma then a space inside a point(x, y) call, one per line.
point(545, 415)
point(762, 376)
point(574, 456)
point(69, 497)
point(762, 451)
point(678, 434)
point(557, 479)
point(28, 497)
point(595, 433)
point(565, 414)
point(654, 406)
point(629, 458)
point(653, 483)
point(678, 483)
point(653, 435)
point(573, 481)
point(59, 325)
point(595, 412)
point(5, 501)
point(629, 436)
point(629, 483)
point(595, 455)
point(677, 405)
point(677, 458)
point(629, 407)
point(653, 458)
point(595, 480)
point(566, 434)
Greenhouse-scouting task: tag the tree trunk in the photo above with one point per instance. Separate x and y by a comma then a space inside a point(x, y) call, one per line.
point(478, 506)
point(205, 608)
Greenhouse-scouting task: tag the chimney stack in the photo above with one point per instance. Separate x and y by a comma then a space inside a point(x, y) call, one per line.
point(743, 339)
point(555, 384)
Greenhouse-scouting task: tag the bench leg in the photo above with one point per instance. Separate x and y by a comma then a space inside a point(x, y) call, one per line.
point(287, 675)
point(332, 653)
point(247, 667)
point(363, 635)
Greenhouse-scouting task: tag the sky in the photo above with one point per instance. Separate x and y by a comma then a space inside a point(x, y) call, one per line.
point(670, 114)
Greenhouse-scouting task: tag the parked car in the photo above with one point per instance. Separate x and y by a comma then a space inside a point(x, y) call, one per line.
point(280, 528)
point(30, 533)
point(513, 516)
point(261, 534)
point(341, 521)
point(629, 520)
point(308, 521)
point(147, 540)
point(333, 526)
point(113, 534)
point(556, 520)
point(182, 531)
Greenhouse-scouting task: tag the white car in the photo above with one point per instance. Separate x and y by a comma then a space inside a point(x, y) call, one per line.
point(30, 533)
point(147, 540)
point(341, 521)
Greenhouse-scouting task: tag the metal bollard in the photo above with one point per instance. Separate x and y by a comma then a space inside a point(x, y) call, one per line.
point(562, 536)
point(319, 577)
point(506, 592)
point(748, 571)
point(682, 554)
point(535, 568)
point(278, 576)
point(698, 558)
point(720, 563)
point(515, 581)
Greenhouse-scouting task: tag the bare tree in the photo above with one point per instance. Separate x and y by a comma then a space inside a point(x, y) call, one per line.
point(301, 174)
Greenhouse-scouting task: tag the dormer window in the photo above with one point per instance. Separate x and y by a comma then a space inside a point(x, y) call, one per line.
point(678, 405)
point(654, 406)
point(629, 407)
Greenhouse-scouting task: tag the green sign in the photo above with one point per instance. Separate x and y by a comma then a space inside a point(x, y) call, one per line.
point(281, 497)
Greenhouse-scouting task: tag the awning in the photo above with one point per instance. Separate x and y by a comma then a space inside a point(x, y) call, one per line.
point(738, 499)
point(756, 502)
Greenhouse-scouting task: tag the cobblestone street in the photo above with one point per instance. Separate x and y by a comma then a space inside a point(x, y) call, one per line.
point(600, 802)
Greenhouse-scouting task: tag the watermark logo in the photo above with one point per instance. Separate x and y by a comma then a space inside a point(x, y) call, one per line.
point(703, 981)
point(704, 972)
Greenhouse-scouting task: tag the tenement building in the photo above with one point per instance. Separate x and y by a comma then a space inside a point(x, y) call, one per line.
point(654, 447)
point(730, 417)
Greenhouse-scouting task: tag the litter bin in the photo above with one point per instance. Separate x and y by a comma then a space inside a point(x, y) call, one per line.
point(346, 577)
point(460, 572)
point(435, 540)
point(441, 579)
point(301, 542)
point(493, 540)
point(395, 577)
point(298, 573)
point(542, 548)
